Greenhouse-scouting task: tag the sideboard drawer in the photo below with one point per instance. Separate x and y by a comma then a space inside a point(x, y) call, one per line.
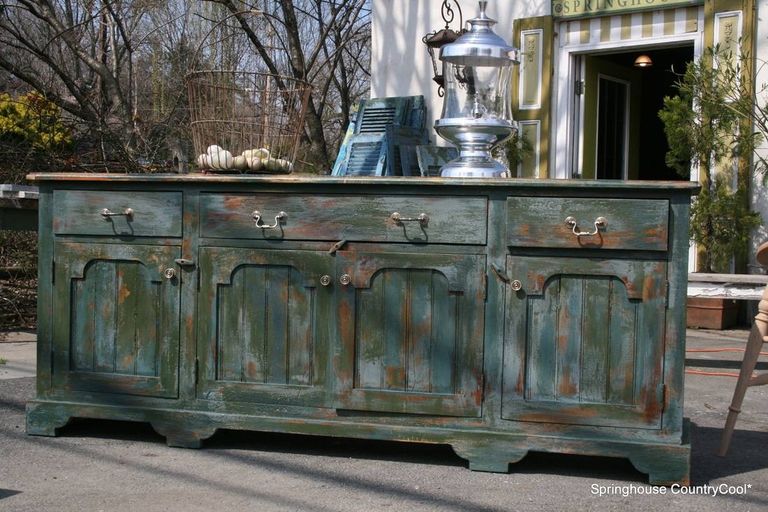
point(96, 212)
point(634, 224)
point(423, 219)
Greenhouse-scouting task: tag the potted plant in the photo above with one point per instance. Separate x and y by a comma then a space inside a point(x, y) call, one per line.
point(513, 152)
point(714, 125)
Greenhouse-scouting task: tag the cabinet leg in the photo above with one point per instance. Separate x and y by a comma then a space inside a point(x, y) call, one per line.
point(488, 458)
point(45, 419)
point(664, 466)
point(178, 436)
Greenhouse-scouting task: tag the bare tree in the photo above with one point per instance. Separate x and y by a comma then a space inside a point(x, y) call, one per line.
point(116, 67)
point(79, 54)
point(94, 59)
point(326, 43)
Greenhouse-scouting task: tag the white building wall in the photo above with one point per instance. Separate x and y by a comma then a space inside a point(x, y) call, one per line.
point(760, 191)
point(400, 65)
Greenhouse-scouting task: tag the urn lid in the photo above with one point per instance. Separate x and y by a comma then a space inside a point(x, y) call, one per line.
point(480, 45)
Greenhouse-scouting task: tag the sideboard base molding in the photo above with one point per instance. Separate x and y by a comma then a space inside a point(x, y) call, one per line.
point(489, 451)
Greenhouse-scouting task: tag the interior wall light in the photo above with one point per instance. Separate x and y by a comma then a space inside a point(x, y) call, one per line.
point(643, 61)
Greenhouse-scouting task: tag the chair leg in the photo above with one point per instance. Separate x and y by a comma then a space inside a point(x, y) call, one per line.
point(754, 345)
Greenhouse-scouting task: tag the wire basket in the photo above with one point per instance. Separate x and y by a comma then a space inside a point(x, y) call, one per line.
point(246, 122)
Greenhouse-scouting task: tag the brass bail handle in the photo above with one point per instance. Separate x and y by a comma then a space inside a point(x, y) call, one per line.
point(600, 223)
point(422, 219)
point(259, 224)
point(107, 213)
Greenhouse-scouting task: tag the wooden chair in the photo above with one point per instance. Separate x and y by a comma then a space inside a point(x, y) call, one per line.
point(758, 336)
point(381, 131)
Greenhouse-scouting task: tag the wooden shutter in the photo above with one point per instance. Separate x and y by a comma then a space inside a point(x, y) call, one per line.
point(367, 142)
point(531, 86)
point(728, 23)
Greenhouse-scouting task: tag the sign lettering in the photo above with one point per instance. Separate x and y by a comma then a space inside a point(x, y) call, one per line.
point(589, 8)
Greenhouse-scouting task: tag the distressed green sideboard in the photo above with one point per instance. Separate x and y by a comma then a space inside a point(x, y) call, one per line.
point(464, 312)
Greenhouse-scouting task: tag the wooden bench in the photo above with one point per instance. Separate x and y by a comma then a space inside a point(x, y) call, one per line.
point(18, 207)
point(726, 286)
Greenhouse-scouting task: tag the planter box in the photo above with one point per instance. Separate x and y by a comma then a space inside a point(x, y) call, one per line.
point(718, 314)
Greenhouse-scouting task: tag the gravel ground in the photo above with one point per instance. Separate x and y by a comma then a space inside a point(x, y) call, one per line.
point(118, 466)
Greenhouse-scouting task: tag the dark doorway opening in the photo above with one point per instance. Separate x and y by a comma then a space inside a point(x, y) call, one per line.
point(611, 128)
point(657, 82)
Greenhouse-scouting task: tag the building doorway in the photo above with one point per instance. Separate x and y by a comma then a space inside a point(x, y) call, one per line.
point(616, 127)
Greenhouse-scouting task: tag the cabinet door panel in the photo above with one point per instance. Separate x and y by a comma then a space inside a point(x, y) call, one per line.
point(117, 321)
point(584, 341)
point(263, 325)
point(412, 333)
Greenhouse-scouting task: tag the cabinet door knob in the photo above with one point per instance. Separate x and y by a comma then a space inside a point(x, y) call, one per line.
point(517, 285)
point(170, 273)
point(325, 280)
point(345, 279)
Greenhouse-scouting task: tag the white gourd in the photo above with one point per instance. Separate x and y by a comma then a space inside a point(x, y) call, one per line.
point(284, 165)
point(255, 164)
point(240, 163)
point(272, 165)
point(222, 160)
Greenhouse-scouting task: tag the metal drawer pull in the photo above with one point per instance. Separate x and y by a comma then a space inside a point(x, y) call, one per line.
point(169, 273)
point(422, 219)
point(106, 213)
point(517, 285)
point(600, 222)
point(257, 219)
point(345, 279)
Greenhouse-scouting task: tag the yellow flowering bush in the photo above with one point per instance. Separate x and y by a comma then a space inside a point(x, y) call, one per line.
point(33, 120)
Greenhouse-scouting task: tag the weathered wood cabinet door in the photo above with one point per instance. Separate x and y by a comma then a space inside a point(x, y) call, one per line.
point(263, 325)
point(584, 341)
point(411, 332)
point(116, 319)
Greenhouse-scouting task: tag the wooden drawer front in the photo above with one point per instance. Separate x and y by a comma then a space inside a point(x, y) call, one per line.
point(636, 224)
point(79, 212)
point(452, 219)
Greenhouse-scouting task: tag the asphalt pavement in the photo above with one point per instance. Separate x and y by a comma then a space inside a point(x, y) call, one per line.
point(120, 466)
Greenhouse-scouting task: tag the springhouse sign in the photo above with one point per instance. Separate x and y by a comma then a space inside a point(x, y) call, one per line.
point(587, 8)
